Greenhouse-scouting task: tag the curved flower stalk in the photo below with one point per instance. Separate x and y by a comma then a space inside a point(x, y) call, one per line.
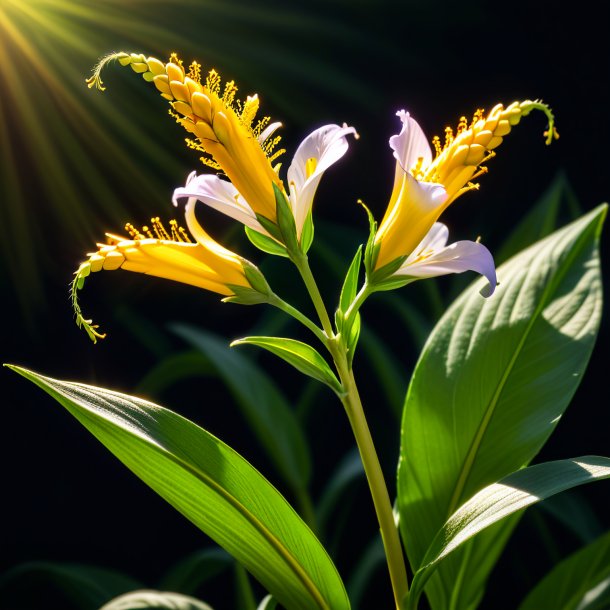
point(172, 255)
point(234, 142)
point(425, 185)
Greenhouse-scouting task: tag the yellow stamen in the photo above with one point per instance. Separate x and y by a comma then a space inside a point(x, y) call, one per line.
point(226, 129)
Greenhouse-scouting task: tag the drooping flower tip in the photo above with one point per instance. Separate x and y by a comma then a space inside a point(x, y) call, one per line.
point(77, 284)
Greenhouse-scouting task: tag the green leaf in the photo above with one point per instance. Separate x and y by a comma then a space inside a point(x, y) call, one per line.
point(212, 486)
point(300, 355)
point(285, 220)
point(88, 587)
point(307, 233)
point(265, 243)
point(199, 567)
point(500, 500)
point(490, 386)
point(350, 285)
point(262, 404)
point(577, 583)
point(155, 600)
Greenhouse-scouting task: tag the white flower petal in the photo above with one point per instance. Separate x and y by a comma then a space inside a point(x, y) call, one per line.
point(325, 146)
point(456, 258)
point(435, 239)
point(270, 130)
point(410, 144)
point(220, 195)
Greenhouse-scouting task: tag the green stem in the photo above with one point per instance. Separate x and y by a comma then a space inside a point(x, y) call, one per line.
point(355, 413)
point(356, 304)
point(297, 315)
point(302, 264)
point(379, 492)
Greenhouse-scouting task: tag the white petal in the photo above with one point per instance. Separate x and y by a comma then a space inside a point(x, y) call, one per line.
point(435, 240)
point(220, 195)
point(456, 258)
point(325, 145)
point(266, 133)
point(410, 144)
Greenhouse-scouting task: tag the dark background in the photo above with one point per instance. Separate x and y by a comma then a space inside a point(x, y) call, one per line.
point(63, 185)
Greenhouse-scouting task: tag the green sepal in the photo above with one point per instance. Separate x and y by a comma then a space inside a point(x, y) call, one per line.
point(381, 279)
point(307, 233)
point(285, 220)
point(349, 328)
point(245, 296)
point(270, 227)
point(265, 243)
point(301, 356)
point(371, 252)
point(258, 292)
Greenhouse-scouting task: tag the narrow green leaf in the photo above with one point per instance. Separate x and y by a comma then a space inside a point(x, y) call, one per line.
point(307, 233)
point(155, 600)
point(285, 220)
point(199, 567)
point(85, 586)
point(212, 486)
point(502, 499)
point(265, 243)
point(262, 404)
point(300, 355)
point(350, 285)
point(490, 386)
point(577, 583)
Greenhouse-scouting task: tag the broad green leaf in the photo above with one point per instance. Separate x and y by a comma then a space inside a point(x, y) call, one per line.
point(87, 587)
point(212, 486)
point(303, 357)
point(155, 600)
point(500, 500)
point(199, 567)
point(262, 403)
point(490, 386)
point(577, 583)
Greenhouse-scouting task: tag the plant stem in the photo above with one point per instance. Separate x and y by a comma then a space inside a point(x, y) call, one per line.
point(355, 413)
point(297, 315)
point(379, 492)
point(302, 264)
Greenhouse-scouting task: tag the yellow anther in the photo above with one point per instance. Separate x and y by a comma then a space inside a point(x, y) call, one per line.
point(436, 143)
point(228, 97)
point(195, 71)
point(212, 82)
point(462, 125)
point(174, 59)
point(448, 137)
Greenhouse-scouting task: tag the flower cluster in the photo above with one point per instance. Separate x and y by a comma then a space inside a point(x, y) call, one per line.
point(409, 243)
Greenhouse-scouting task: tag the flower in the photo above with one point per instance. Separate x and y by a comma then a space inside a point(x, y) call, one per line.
point(172, 255)
point(425, 185)
point(433, 257)
point(316, 153)
point(234, 143)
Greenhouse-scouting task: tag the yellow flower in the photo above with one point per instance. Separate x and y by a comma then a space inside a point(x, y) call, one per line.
point(425, 185)
point(237, 144)
point(171, 255)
